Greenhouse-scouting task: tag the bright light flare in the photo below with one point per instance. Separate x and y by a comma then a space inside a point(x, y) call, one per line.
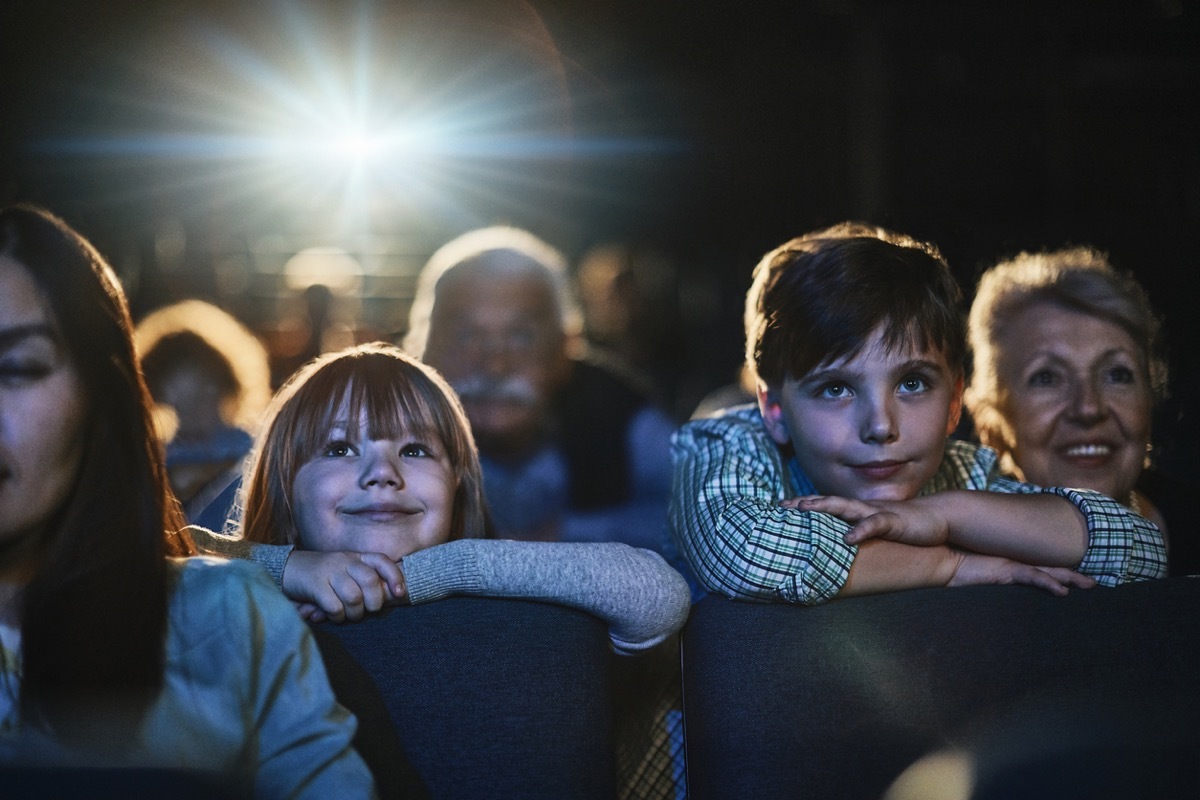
point(356, 146)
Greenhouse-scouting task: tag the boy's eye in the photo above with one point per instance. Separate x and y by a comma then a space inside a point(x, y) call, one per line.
point(913, 383)
point(833, 390)
point(338, 450)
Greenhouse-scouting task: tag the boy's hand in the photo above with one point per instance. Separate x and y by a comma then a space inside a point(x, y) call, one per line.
point(341, 586)
point(974, 568)
point(907, 521)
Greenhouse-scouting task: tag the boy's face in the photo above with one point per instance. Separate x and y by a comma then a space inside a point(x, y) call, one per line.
point(872, 427)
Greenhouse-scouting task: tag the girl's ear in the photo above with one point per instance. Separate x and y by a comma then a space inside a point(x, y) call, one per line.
point(956, 404)
point(771, 408)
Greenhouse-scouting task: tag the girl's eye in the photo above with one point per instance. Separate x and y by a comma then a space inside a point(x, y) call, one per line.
point(1121, 375)
point(415, 451)
point(338, 450)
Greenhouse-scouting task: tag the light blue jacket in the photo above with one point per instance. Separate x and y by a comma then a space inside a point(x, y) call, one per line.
point(245, 698)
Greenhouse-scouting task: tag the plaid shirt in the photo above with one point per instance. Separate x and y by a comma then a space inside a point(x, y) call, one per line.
point(725, 515)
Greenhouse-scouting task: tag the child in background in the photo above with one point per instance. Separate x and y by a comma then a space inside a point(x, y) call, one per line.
point(210, 379)
point(842, 480)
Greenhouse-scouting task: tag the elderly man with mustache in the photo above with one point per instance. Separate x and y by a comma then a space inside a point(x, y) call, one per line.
point(571, 449)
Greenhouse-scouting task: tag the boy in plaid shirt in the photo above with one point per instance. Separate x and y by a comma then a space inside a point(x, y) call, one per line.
point(843, 480)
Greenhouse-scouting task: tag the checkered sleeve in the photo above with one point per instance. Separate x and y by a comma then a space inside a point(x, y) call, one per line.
point(1123, 547)
point(726, 518)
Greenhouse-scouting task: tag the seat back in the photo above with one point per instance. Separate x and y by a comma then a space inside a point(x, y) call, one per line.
point(488, 698)
point(837, 700)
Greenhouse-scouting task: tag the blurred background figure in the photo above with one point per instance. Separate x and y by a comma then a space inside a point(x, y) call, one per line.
point(571, 449)
point(629, 299)
point(1068, 369)
point(210, 379)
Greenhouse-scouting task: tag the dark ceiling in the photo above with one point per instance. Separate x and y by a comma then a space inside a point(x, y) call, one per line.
point(708, 130)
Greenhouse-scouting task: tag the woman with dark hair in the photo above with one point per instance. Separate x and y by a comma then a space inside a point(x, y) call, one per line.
point(113, 650)
point(1068, 367)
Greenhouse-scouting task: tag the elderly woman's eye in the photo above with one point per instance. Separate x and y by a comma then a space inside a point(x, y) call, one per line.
point(1043, 377)
point(1121, 375)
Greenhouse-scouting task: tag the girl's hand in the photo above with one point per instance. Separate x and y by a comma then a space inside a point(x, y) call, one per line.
point(908, 521)
point(341, 586)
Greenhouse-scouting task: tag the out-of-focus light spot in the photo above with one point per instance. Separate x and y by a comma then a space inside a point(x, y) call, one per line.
point(948, 775)
point(170, 243)
point(326, 266)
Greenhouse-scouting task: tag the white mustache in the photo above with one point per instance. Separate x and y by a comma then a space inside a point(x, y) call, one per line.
point(513, 389)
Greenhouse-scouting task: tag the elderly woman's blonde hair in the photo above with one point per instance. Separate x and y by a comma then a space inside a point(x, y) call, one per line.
point(1079, 279)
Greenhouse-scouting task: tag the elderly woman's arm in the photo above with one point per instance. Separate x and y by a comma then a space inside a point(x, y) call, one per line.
point(642, 599)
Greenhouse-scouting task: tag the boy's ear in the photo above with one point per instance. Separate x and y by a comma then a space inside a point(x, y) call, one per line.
point(772, 413)
point(956, 400)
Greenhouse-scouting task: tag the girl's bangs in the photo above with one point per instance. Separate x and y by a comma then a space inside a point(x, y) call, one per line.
point(348, 389)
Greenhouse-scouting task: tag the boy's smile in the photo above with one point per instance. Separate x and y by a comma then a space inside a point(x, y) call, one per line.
point(872, 427)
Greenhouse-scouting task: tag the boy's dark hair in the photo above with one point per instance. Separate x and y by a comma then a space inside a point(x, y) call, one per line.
point(817, 298)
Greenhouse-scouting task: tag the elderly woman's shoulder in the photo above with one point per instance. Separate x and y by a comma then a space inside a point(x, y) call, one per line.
point(1175, 498)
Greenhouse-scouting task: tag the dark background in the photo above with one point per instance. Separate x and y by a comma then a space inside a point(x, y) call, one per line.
point(705, 132)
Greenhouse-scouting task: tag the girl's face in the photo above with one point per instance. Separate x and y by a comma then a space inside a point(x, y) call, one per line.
point(390, 496)
point(42, 411)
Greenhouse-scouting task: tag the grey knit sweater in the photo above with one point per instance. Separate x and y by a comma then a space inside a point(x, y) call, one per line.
point(640, 597)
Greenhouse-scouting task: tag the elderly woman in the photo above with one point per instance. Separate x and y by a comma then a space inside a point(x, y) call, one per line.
point(1068, 367)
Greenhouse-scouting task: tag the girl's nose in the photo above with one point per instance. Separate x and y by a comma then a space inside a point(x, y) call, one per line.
point(382, 468)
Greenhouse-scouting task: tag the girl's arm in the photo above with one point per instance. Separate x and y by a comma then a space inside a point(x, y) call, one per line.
point(642, 599)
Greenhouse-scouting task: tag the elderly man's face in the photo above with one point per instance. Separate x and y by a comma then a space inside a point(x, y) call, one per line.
point(498, 339)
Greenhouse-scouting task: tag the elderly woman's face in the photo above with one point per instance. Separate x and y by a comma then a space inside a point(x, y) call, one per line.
point(1076, 394)
point(42, 411)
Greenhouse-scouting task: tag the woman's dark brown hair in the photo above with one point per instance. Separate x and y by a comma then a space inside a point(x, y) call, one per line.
point(94, 616)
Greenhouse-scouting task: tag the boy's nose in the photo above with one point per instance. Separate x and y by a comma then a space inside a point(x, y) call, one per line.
point(879, 422)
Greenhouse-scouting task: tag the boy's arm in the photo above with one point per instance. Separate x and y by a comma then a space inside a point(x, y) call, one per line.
point(741, 543)
point(1035, 529)
point(1084, 530)
point(726, 518)
point(896, 566)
